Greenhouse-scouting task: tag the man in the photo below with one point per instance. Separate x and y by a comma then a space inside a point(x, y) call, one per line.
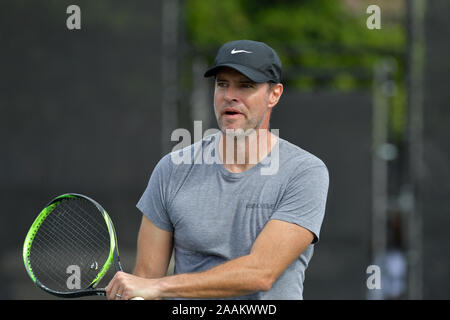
point(236, 232)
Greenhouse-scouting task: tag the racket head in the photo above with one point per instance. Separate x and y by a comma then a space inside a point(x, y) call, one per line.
point(70, 247)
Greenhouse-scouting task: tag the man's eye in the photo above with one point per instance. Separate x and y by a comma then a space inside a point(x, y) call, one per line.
point(247, 85)
point(221, 84)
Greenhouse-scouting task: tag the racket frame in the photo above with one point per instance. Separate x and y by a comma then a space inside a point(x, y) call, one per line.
point(113, 257)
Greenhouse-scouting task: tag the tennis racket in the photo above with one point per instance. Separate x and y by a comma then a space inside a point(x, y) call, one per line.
point(71, 246)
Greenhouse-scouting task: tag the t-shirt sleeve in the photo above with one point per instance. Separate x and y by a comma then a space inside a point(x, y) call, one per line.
point(153, 202)
point(304, 200)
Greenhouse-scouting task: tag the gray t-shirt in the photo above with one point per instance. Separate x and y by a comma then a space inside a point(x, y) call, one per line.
point(215, 215)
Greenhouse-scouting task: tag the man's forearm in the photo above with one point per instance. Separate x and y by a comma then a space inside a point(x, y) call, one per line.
point(237, 277)
point(276, 247)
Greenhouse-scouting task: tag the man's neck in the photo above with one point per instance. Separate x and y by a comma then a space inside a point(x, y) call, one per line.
point(239, 153)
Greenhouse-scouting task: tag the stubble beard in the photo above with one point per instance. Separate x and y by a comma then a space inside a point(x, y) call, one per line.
point(249, 126)
point(245, 139)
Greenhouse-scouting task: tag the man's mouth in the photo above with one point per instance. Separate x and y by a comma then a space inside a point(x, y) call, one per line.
point(231, 113)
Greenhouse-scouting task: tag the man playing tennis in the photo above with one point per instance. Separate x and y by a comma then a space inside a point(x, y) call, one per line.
point(239, 229)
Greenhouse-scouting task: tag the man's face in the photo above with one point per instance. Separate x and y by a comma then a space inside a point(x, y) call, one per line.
point(240, 103)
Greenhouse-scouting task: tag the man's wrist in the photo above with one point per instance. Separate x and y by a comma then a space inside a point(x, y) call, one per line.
point(161, 288)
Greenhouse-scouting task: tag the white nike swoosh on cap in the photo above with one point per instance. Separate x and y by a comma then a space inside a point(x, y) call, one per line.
point(234, 51)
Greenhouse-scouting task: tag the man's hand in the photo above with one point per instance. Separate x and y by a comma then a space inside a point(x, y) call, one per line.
point(125, 286)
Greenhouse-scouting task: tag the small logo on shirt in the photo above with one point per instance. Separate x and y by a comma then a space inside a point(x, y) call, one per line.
point(260, 206)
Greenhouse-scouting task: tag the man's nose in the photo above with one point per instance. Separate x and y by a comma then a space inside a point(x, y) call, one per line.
point(231, 95)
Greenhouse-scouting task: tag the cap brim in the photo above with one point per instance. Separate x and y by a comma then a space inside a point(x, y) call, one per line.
point(250, 73)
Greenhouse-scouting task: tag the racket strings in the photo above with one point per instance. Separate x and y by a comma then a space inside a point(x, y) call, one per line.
point(71, 246)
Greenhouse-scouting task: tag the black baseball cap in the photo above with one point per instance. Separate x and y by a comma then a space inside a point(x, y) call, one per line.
point(255, 60)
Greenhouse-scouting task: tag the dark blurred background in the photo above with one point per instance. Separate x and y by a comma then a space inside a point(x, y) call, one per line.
point(91, 111)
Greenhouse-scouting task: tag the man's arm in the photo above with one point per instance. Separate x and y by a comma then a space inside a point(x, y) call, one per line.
point(154, 250)
point(276, 247)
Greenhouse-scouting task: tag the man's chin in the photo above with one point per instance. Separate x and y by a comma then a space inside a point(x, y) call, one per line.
point(238, 132)
point(237, 129)
point(229, 128)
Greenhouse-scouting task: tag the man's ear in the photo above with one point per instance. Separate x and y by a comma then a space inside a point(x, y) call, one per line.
point(275, 94)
